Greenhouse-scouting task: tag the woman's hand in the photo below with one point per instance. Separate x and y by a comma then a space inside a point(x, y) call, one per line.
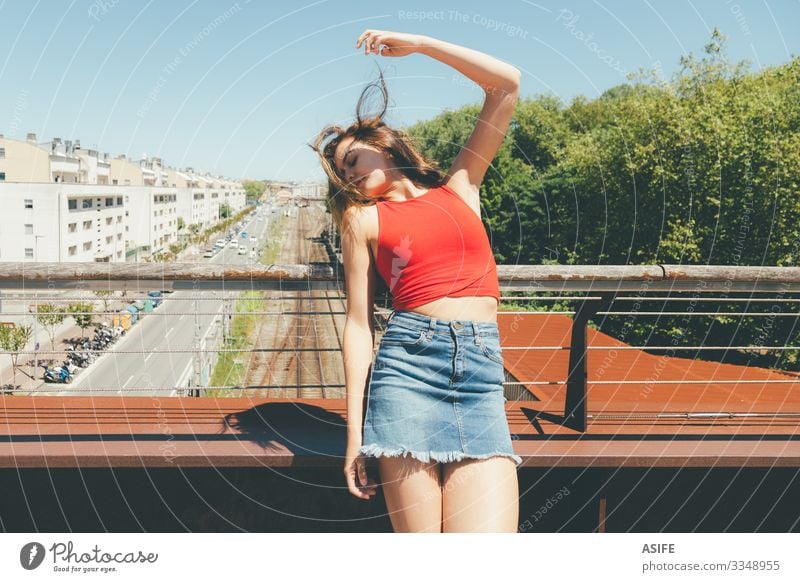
point(355, 472)
point(395, 44)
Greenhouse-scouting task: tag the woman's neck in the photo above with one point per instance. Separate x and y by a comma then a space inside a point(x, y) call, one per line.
point(402, 189)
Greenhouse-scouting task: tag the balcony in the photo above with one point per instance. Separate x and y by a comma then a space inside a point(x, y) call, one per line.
point(654, 442)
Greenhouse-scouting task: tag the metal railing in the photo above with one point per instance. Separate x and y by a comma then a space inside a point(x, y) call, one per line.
point(601, 285)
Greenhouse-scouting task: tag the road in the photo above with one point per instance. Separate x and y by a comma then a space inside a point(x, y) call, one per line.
point(141, 363)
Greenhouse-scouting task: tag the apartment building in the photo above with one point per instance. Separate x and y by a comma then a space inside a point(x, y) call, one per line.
point(200, 196)
point(61, 222)
point(150, 201)
point(63, 202)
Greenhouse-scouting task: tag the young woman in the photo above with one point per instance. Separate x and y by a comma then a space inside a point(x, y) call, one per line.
point(435, 413)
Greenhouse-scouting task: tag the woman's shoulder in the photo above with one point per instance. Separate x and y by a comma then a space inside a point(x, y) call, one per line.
point(364, 218)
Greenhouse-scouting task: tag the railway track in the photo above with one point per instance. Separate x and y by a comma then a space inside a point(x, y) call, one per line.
point(302, 331)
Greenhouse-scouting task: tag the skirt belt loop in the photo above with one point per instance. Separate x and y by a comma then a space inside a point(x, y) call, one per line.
point(431, 328)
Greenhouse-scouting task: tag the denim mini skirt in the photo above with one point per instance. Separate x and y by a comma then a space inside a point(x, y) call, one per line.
point(435, 391)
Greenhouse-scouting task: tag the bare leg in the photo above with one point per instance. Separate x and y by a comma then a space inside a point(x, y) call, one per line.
point(413, 494)
point(480, 495)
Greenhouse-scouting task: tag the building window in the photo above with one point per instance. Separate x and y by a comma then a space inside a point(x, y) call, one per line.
point(108, 239)
point(28, 229)
point(86, 203)
point(2, 153)
point(119, 236)
point(87, 224)
point(109, 202)
point(72, 250)
point(28, 201)
point(109, 220)
point(114, 182)
point(119, 200)
point(119, 218)
point(87, 245)
point(72, 204)
point(72, 226)
point(28, 253)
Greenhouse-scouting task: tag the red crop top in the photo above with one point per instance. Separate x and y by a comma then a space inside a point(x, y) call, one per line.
point(434, 246)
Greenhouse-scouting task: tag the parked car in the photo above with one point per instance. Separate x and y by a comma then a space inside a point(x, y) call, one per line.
point(242, 250)
point(253, 239)
point(233, 243)
point(208, 253)
point(155, 297)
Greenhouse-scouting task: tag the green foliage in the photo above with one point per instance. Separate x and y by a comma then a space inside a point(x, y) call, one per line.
point(50, 316)
point(83, 313)
point(231, 367)
point(13, 339)
point(254, 189)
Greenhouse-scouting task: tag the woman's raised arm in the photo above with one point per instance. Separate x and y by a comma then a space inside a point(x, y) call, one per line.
point(499, 81)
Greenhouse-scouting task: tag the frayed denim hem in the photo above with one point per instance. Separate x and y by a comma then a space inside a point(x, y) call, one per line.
point(373, 450)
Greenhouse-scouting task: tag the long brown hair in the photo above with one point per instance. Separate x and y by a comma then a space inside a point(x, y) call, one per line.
point(371, 130)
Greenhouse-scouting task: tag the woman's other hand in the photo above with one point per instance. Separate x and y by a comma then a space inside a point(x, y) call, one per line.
point(355, 474)
point(395, 44)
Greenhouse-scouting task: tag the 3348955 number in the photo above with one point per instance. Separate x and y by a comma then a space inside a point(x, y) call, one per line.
point(755, 565)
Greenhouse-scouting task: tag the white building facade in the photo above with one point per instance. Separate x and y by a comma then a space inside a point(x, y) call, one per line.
point(65, 203)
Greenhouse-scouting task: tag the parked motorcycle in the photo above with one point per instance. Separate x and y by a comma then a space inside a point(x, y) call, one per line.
point(56, 376)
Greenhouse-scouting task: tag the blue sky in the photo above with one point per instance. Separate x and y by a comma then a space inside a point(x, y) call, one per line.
point(239, 88)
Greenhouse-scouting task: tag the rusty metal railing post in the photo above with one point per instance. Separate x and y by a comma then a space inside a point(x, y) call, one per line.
point(576, 397)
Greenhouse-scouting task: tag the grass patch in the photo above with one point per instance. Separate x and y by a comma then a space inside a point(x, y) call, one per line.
point(231, 367)
point(269, 254)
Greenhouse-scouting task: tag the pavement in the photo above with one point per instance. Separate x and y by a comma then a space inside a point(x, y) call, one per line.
point(11, 303)
point(15, 308)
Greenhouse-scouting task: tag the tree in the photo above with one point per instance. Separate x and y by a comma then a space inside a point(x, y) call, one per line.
point(105, 296)
point(254, 189)
point(13, 339)
point(83, 314)
point(48, 316)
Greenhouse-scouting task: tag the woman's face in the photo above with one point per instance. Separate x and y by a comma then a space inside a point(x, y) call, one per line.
point(367, 167)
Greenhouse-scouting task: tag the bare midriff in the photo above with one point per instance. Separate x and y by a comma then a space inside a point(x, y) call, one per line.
point(463, 308)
